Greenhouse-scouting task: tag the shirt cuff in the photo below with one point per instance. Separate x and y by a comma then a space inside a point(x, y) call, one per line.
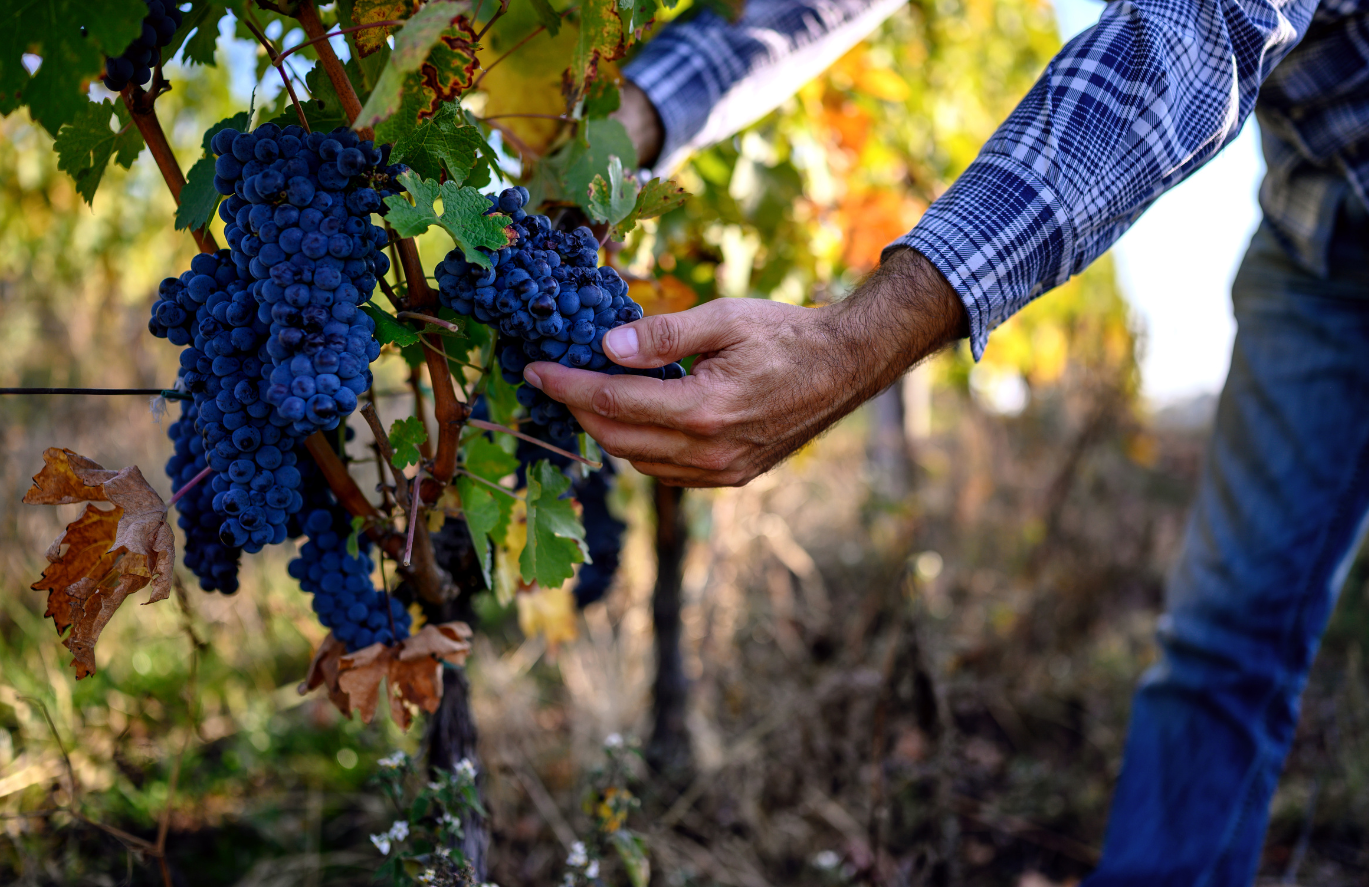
point(1001, 237)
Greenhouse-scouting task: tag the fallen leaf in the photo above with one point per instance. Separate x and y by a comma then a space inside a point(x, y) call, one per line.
point(104, 555)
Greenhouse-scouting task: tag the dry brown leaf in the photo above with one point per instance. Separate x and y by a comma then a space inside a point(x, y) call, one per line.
point(104, 555)
point(410, 668)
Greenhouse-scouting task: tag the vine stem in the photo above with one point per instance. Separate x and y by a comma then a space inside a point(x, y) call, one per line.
point(314, 40)
point(492, 426)
point(189, 485)
point(144, 114)
point(275, 58)
point(308, 18)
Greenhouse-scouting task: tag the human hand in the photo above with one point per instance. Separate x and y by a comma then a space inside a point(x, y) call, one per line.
point(769, 378)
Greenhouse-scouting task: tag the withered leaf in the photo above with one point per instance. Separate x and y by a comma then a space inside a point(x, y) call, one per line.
point(410, 668)
point(104, 555)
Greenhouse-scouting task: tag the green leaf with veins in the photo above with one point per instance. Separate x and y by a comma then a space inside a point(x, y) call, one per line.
point(443, 143)
point(656, 198)
point(199, 197)
point(389, 331)
point(463, 216)
point(487, 516)
point(487, 459)
point(203, 19)
point(85, 145)
point(405, 437)
point(556, 539)
point(614, 200)
point(52, 30)
point(601, 99)
point(581, 160)
point(419, 37)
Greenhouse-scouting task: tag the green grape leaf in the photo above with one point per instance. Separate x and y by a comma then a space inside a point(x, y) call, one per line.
point(203, 19)
point(364, 12)
point(556, 538)
point(463, 216)
point(614, 200)
point(55, 94)
point(405, 437)
point(199, 197)
point(602, 99)
point(354, 537)
point(485, 458)
point(549, 17)
point(443, 143)
point(388, 328)
point(85, 145)
point(437, 42)
point(487, 516)
point(600, 40)
point(656, 198)
point(502, 398)
point(581, 160)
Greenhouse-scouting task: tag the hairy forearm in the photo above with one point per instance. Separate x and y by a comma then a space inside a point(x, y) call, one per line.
point(903, 312)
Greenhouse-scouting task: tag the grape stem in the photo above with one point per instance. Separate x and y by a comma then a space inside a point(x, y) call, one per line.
point(413, 517)
point(144, 114)
point(315, 40)
point(425, 448)
point(275, 58)
point(428, 318)
point(387, 455)
point(493, 486)
point(492, 426)
point(308, 18)
point(188, 486)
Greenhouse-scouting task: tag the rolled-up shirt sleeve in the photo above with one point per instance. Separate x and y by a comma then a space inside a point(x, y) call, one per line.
point(709, 78)
point(1125, 111)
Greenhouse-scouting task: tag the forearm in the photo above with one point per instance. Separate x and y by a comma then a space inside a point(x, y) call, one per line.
point(902, 313)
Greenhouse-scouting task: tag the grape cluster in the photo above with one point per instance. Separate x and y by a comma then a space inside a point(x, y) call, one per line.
point(134, 64)
point(549, 299)
point(255, 486)
point(344, 597)
point(298, 222)
point(206, 556)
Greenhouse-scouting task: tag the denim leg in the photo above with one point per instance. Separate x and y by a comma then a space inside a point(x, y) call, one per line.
point(1279, 513)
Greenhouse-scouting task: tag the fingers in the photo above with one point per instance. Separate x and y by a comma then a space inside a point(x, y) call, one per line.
point(659, 340)
point(633, 400)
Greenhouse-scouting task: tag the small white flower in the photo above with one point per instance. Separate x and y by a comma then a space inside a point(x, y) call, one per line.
point(400, 830)
point(433, 786)
point(427, 877)
point(444, 852)
point(465, 769)
point(827, 860)
point(592, 870)
point(578, 857)
point(394, 761)
point(569, 881)
point(613, 740)
point(382, 843)
point(450, 820)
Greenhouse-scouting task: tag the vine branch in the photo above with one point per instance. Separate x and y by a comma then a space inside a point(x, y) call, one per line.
point(144, 114)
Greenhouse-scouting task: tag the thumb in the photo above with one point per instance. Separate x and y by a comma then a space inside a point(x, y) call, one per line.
point(659, 340)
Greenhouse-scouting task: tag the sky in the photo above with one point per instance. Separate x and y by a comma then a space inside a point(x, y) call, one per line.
point(1177, 262)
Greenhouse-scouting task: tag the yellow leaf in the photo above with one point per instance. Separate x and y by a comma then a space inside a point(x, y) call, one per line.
point(549, 612)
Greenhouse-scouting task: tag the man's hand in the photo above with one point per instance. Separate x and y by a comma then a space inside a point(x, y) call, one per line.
point(770, 376)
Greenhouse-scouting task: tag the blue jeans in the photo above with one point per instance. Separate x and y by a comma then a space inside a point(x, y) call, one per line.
point(1278, 517)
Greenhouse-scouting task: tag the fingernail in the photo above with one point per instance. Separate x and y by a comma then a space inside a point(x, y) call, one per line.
point(532, 378)
point(622, 342)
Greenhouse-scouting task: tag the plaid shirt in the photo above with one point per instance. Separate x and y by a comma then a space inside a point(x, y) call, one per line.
point(1127, 110)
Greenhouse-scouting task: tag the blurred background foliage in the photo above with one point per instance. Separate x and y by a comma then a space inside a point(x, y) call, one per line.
point(911, 648)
